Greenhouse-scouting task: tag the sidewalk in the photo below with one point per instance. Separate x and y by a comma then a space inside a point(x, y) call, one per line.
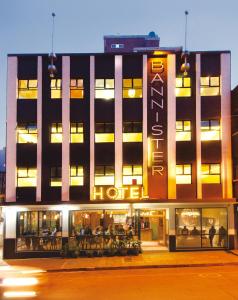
point(145, 260)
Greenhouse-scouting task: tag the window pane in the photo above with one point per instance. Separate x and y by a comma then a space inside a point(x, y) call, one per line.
point(56, 138)
point(76, 138)
point(215, 81)
point(132, 137)
point(127, 170)
point(104, 180)
point(99, 83)
point(179, 82)
point(210, 135)
point(76, 181)
point(187, 169)
point(215, 169)
point(109, 83)
point(205, 125)
point(32, 83)
point(186, 82)
point(179, 169)
point(187, 125)
point(205, 169)
point(22, 172)
point(76, 94)
point(22, 84)
point(132, 180)
point(99, 170)
point(188, 228)
point(214, 227)
point(104, 138)
point(137, 170)
point(210, 91)
point(179, 125)
point(137, 82)
point(215, 124)
point(104, 94)
point(183, 136)
point(109, 170)
point(183, 179)
point(73, 171)
point(205, 81)
point(127, 83)
point(183, 92)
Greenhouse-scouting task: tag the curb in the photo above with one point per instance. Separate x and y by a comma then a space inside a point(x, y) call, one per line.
point(88, 269)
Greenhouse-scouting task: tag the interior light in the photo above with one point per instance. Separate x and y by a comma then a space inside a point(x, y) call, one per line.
point(44, 217)
point(19, 294)
point(131, 93)
point(19, 281)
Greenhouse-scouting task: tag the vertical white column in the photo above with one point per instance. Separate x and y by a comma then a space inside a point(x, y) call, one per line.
point(144, 128)
point(198, 127)
point(92, 125)
point(39, 128)
point(118, 121)
point(226, 166)
point(171, 121)
point(65, 127)
point(11, 129)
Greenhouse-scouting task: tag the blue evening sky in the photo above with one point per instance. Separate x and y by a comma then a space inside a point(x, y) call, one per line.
point(25, 27)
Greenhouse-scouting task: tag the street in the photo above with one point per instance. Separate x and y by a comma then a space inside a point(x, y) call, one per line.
point(169, 283)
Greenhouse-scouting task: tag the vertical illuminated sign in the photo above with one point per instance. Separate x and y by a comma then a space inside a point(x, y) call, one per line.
point(157, 127)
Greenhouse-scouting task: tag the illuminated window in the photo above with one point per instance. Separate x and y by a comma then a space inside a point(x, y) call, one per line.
point(56, 176)
point(104, 89)
point(210, 86)
point(183, 174)
point(104, 133)
point(26, 177)
point(76, 133)
point(76, 89)
point(132, 132)
point(117, 46)
point(76, 175)
point(210, 130)
point(56, 133)
point(26, 133)
point(27, 89)
point(104, 175)
point(183, 87)
point(211, 173)
point(183, 130)
point(132, 88)
point(56, 91)
point(132, 174)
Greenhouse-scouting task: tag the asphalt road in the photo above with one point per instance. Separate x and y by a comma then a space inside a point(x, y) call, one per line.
point(218, 283)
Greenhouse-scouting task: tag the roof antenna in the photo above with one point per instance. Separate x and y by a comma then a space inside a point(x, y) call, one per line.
point(185, 54)
point(52, 56)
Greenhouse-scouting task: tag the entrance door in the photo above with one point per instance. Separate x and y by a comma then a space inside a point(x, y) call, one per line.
point(152, 229)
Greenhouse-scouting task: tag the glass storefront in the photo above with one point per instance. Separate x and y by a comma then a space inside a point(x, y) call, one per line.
point(39, 231)
point(201, 228)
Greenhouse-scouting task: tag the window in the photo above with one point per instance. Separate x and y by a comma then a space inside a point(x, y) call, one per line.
point(26, 133)
point(32, 226)
point(76, 89)
point(26, 177)
point(27, 89)
point(183, 87)
point(76, 133)
point(132, 88)
point(210, 86)
point(76, 175)
point(56, 176)
point(56, 133)
point(104, 175)
point(117, 46)
point(104, 133)
point(183, 130)
point(210, 130)
point(211, 173)
point(104, 89)
point(132, 174)
point(201, 228)
point(132, 132)
point(184, 174)
point(56, 91)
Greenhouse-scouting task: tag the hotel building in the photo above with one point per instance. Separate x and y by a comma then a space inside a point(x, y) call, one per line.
point(119, 139)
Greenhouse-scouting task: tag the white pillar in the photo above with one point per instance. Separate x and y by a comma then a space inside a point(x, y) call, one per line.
point(92, 125)
point(39, 128)
point(118, 121)
point(226, 166)
point(171, 121)
point(12, 87)
point(144, 128)
point(65, 127)
point(198, 127)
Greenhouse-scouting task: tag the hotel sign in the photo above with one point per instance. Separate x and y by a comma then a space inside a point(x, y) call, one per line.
point(121, 193)
point(157, 127)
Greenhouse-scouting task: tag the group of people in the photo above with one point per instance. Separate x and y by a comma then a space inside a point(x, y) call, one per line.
point(222, 234)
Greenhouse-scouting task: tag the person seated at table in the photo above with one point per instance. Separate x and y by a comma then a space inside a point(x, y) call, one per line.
point(185, 231)
point(195, 231)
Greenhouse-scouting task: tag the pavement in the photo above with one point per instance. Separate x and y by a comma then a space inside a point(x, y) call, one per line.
point(143, 261)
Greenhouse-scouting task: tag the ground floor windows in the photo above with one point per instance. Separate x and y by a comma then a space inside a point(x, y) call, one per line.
point(201, 228)
point(39, 230)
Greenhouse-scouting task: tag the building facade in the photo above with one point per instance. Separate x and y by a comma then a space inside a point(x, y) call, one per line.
point(119, 140)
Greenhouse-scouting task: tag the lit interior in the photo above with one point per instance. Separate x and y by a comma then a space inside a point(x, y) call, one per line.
point(27, 89)
point(76, 89)
point(210, 130)
point(132, 88)
point(26, 134)
point(183, 87)
point(56, 133)
point(210, 86)
point(76, 175)
point(132, 174)
point(56, 91)
point(26, 177)
point(104, 180)
point(104, 89)
point(132, 137)
point(104, 137)
point(183, 174)
point(211, 173)
point(183, 130)
point(76, 133)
